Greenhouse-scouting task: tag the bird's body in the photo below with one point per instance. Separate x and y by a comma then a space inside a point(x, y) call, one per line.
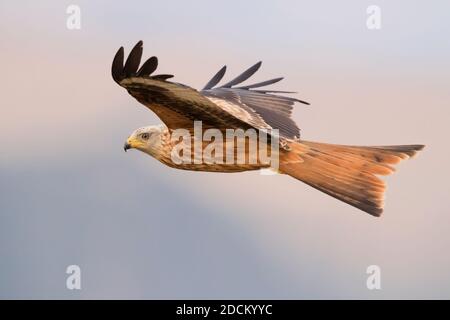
point(348, 173)
point(163, 145)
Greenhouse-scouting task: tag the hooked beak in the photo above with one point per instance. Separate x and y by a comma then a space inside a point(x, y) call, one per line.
point(126, 146)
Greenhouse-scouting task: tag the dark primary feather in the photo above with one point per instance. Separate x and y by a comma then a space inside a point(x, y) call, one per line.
point(273, 91)
point(243, 76)
point(120, 71)
point(162, 76)
point(276, 91)
point(261, 84)
point(148, 67)
point(117, 66)
point(133, 60)
point(215, 80)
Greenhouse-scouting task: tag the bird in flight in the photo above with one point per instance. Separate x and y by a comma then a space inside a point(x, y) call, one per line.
point(348, 173)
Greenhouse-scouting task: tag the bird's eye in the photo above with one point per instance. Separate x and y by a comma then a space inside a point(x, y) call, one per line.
point(145, 136)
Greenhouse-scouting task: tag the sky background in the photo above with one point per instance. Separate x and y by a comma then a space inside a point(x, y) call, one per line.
point(70, 195)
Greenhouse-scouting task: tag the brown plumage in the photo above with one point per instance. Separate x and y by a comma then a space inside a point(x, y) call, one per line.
point(348, 173)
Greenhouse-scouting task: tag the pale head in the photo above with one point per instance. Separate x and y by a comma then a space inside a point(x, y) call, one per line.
point(146, 139)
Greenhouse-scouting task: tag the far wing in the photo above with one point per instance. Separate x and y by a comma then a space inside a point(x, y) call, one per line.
point(272, 109)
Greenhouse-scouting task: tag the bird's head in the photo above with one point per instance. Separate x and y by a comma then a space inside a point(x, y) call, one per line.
point(145, 139)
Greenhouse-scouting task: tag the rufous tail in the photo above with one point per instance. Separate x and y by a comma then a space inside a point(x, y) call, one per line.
point(348, 173)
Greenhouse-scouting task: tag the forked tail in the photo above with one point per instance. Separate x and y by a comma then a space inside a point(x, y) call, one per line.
point(348, 173)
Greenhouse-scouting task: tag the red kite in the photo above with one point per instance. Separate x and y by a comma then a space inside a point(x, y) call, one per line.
point(348, 173)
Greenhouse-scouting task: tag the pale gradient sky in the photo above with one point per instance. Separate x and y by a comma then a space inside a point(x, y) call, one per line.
point(70, 195)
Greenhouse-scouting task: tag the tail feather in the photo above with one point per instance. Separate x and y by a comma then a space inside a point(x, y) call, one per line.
point(348, 173)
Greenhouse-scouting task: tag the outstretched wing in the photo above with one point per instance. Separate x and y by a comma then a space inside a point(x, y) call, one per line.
point(226, 107)
point(275, 110)
point(177, 105)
